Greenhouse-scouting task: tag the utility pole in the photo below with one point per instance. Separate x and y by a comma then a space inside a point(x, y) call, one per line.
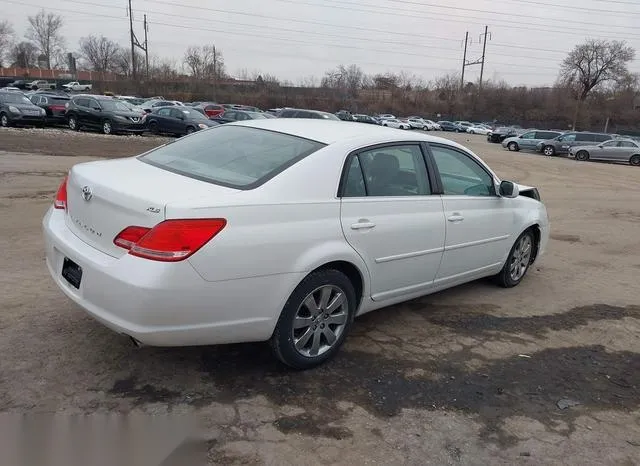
point(464, 59)
point(136, 43)
point(484, 48)
point(133, 50)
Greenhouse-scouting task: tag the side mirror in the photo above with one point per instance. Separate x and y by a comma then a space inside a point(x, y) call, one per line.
point(508, 189)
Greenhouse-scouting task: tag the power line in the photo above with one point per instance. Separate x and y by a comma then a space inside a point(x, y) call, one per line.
point(404, 44)
point(511, 25)
point(573, 8)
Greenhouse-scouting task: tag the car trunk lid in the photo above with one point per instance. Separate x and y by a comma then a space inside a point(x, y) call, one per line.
point(105, 197)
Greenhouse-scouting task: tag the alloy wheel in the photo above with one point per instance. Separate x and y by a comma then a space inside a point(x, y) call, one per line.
point(106, 127)
point(519, 260)
point(548, 151)
point(320, 320)
point(4, 121)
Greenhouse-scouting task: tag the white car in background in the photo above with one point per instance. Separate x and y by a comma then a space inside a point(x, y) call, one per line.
point(479, 129)
point(395, 123)
point(416, 123)
point(432, 125)
point(386, 116)
point(210, 239)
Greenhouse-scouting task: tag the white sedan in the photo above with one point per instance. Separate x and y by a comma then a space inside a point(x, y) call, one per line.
point(283, 230)
point(479, 129)
point(395, 123)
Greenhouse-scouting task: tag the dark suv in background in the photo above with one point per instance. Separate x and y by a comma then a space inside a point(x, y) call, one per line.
point(562, 143)
point(105, 113)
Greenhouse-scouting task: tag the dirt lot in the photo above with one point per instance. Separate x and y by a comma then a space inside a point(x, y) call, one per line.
point(474, 375)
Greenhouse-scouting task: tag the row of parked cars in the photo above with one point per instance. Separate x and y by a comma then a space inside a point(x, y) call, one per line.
point(581, 145)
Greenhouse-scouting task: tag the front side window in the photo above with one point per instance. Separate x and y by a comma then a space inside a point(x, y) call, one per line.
point(460, 174)
point(233, 156)
point(610, 144)
point(387, 171)
point(164, 112)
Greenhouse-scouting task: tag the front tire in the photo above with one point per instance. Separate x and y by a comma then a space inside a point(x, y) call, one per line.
point(153, 128)
point(582, 156)
point(549, 151)
point(518, 261)
point(513, 146)
point(4, 120)
point(315, 320)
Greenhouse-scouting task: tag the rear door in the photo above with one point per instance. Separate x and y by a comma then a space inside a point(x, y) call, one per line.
point(178, 121)
point(94, 113)
point(479, 223)
point(391, 218)
point(163, 120)
point(623, 151)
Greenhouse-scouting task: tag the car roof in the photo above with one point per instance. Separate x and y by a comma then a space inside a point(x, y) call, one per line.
point(332, 131)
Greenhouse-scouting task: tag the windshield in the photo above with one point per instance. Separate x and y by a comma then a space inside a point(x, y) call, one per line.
point(233, 156)
point(12, 98)
point(114, 106)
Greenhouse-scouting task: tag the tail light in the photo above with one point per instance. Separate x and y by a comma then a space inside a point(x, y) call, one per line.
point(171, 240)
point(61, 195)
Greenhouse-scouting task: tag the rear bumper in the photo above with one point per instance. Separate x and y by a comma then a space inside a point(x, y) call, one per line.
point(164, 304)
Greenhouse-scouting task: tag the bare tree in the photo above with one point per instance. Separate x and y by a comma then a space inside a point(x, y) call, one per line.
point(23, 55)
point(348, 80)
point(100, 52)
point(122, 62)
point(592, 65)
point(45, 30)
point(6, 36)
point(205, 62)
point(447, 88)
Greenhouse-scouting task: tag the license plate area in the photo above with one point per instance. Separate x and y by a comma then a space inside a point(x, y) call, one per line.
point(72, 272)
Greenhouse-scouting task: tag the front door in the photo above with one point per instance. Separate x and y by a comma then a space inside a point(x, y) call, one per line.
point(605, 151)
point(392, 220)
point(528, 140)
point(478, 221)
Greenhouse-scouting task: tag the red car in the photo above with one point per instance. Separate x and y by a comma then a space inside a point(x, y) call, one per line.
point(210, 109)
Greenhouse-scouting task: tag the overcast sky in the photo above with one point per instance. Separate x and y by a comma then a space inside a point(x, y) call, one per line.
point(296, 39)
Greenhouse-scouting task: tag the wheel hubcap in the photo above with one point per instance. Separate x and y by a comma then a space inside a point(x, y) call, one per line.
point(320, 320)
point(107, 128)
point(520, 258)
point(72, 123)
point(548, 151)
point(4, 121)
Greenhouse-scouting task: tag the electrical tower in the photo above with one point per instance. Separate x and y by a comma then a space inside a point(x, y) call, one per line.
point(136, 43)
point(479, 61)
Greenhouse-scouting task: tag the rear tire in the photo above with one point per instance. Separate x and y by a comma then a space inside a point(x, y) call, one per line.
point(153, 128)
point(635, 160)
point(582, 156)
point(549, 151)
point(107, 127)
point(315, 320)
point(518, 261)
point(72, 121)
point(513, 146)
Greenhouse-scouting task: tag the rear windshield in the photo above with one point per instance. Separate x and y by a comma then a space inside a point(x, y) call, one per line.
point(233, 156)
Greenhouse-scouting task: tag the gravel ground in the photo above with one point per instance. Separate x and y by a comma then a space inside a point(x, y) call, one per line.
point(546, 373)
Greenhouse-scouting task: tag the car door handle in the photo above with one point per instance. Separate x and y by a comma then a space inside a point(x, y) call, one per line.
point(455, 218)
point(362, 225)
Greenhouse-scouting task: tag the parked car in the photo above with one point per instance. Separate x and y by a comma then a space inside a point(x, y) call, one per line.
point(16, 109)
point(361, 118)
point(615, 150)
point(561, 144)
point(395, 123)
point(53, 104)
point(40, 84)
point(301, 113)
point(150, 104)
point(432, 125)
point(344, 115)
point(11, 89)
point(448, 126)
point(528, 140)
point(501, 133)
point(209, 109)
point(416, 122)
point(75, 86)
point(19, 83)
point(478, 129)
point(386, 116)
point(177, 120)
point(240, 115)
point(192, 240)
point(463, 125)
point(105, 113)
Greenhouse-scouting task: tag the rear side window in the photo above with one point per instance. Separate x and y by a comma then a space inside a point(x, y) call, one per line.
point(81, 102)
point(585, 137)
point(602, 137)
point(287, 114)
point(233, 156)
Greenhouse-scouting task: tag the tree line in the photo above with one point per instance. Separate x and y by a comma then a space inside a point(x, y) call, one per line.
point(593, 77)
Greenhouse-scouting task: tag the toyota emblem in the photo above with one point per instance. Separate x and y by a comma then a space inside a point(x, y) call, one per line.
point(86, 193)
